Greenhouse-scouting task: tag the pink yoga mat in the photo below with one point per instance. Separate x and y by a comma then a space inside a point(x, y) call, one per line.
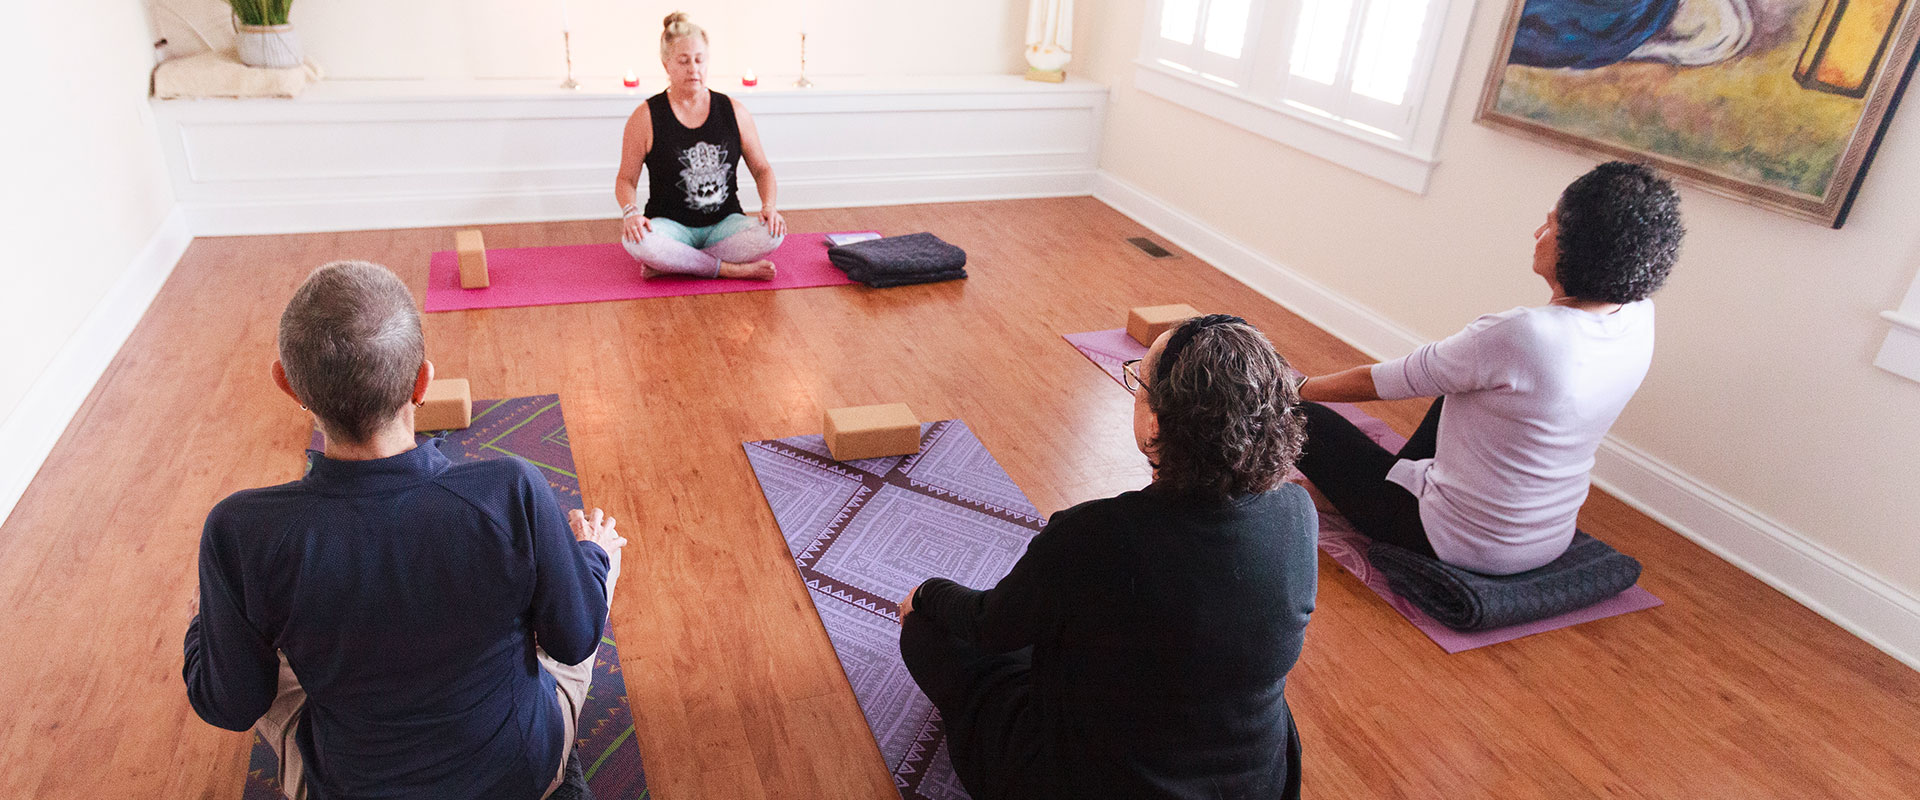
point(1348, 548)
point(587, 273)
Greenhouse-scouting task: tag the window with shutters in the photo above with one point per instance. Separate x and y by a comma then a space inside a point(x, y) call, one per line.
point(1375, 73)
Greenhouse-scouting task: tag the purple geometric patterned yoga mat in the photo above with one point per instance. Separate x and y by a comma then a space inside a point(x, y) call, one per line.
point(531, 428)
point(864, 532)
point(1107, 349)
point(1348, 548)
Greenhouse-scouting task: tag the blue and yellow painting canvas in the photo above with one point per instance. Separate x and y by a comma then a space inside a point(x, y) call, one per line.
point(1778, 102)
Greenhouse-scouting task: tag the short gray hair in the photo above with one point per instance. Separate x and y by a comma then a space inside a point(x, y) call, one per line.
point(350, 342)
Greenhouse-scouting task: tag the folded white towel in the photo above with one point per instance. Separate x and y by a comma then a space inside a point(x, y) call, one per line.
point(220, 74)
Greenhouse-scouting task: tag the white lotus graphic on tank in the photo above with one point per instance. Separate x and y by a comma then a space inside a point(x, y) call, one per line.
point(704, 175)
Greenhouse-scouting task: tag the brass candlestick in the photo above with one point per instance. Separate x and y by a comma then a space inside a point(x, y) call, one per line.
point(566, 37)
point(803, 82)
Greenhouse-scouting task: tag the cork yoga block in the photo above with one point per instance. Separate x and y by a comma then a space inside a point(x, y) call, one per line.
point(1146, 323)
point(473, 259)
point(872, 432)
point(448, 406)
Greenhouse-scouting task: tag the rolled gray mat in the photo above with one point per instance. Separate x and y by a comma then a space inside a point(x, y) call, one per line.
point(1589, 572)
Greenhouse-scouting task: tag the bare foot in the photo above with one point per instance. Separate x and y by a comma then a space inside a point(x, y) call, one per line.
point(761, 270)
point(650, 272)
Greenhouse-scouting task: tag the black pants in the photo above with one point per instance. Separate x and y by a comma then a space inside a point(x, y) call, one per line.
point(985, 705)
point(993, 737)
point(1351, 471)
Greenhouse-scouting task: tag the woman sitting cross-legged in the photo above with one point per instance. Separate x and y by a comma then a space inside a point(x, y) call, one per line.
point(691, 140)
point(1140, 647)
point(1494, 477)
point(395, 624)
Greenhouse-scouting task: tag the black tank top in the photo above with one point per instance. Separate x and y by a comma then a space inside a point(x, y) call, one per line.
point(693, 174)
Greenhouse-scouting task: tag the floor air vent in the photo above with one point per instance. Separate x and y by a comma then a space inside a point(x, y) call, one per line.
point(1148, 246)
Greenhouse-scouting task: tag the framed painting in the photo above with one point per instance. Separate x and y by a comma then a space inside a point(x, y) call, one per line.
point(1779, 103)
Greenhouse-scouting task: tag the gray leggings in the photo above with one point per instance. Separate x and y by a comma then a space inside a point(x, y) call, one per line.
point(676, 248)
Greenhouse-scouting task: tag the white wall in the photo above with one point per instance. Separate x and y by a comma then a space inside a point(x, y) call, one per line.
point(1762, 386)
point(372, 39)
point(85, 186)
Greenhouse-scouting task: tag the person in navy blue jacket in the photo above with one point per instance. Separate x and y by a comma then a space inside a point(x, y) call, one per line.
point(395, 625)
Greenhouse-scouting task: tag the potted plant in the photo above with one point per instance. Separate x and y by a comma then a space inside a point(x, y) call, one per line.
point(262, 35)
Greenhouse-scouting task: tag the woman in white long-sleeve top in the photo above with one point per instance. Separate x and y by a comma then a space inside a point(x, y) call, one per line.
point(1494, 477)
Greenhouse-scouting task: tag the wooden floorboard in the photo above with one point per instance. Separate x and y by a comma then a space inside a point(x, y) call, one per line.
point(1729, 690)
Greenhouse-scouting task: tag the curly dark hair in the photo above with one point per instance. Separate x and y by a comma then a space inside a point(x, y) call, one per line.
point(1228, 412)
point(1620, 233)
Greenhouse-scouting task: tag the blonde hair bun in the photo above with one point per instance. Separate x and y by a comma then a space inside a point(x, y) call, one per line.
point(676, 27)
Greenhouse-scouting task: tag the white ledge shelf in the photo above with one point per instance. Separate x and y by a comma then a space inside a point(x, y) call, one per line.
point(600, 89)
point(351, 155)
point(1900, 353)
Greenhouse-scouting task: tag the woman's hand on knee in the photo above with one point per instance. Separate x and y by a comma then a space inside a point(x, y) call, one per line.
point(635, 227)
point(776, 224)
point(906, 604)
point(596, 527)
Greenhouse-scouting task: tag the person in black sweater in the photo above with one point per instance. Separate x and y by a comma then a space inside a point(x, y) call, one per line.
point(1141, 646)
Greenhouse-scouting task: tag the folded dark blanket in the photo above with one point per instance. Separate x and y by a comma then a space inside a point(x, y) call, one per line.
point(1589, 572)
point(906, 280)
point(896, 260)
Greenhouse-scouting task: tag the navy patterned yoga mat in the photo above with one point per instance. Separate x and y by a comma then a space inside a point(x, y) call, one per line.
point(864, 532)
point(531, 428)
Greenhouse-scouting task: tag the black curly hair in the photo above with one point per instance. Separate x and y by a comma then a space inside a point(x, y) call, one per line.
point(1620, 233)
point(1228, 411)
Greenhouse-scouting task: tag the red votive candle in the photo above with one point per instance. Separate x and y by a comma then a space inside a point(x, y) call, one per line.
point(631, 80)
point(749, 79)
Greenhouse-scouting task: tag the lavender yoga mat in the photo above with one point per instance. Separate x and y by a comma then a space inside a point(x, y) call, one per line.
point(862, 533)
point(1348, 548)
point(531, 428)
point(1107, 349)
point(588, 273)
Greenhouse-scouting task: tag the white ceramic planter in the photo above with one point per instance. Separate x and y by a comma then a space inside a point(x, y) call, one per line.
point(268, 46)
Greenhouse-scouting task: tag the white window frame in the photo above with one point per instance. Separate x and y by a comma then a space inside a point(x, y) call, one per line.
point(1195, 58)
point(1245, 92)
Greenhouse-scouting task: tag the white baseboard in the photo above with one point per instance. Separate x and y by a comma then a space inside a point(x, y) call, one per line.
point(1878, 612)
point(28, 434)
point(1353, 323)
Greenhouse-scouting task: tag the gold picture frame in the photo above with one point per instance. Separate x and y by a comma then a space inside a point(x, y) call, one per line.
point(1780, 103)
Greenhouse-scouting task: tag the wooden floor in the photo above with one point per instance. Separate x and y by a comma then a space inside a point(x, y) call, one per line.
point(1729, 691)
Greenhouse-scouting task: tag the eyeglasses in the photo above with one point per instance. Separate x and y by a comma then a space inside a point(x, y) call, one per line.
point(1130, 376)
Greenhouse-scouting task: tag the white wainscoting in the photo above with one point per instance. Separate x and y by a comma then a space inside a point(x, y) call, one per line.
point(1853, 598)
point(353, 155)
